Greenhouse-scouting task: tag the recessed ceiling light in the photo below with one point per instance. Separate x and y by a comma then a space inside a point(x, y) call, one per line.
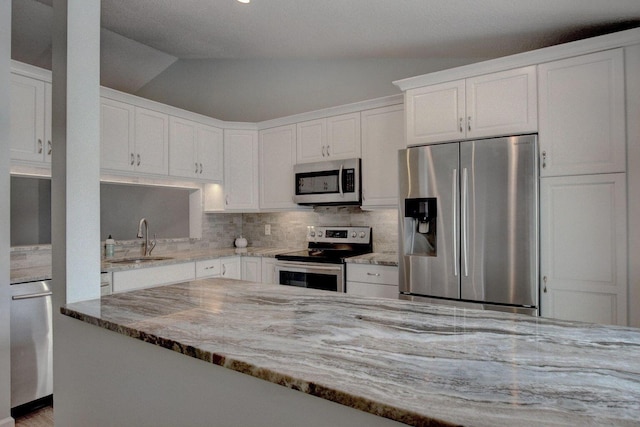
point(244, 1)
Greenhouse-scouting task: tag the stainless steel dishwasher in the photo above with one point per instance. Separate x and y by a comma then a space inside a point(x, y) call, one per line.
point(31, 342)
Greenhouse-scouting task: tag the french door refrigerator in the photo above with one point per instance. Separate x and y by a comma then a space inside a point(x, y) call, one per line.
point(468, 223)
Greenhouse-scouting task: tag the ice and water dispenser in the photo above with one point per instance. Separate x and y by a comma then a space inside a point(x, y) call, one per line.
point(420, 217)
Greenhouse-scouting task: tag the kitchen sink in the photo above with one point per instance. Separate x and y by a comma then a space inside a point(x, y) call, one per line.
point(140, 259)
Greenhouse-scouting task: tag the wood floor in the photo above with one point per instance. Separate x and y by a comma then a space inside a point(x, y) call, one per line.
point(42, 417)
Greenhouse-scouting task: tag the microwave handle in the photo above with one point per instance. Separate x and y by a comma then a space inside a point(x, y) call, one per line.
point(340, 181)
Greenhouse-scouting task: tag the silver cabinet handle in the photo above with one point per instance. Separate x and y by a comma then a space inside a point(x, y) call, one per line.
point(211, 267)
point(328, 151)
point(28, 296)
point(465, 221)
point(39, 146)
point(138, 164)
point(340, 181)
point(454, 209)
point(469, 123)
point(49, 146)
point(460, 125)
point(196, 167)
point(544, 279)
point(200, 167)
point(224, 269)
point(132, 159)
point(323, 155)
point(226, 199)
point(373, 274)
point(544, 159)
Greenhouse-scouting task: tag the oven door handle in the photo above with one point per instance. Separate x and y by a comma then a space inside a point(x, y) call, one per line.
point(307, 268)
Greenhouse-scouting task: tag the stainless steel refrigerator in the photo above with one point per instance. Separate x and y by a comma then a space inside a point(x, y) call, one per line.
point(468, 223)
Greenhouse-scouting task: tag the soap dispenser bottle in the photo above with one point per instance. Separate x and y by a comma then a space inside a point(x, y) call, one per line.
point(110, 246)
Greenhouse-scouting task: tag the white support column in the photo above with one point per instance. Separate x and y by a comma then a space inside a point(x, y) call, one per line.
point(75, 169)
point(5, 299)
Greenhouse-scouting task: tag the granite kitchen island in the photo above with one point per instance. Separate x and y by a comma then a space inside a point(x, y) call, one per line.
point(345, 357)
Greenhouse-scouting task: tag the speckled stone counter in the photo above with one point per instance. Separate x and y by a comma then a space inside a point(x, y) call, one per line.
point(376, 258)
point(415, 363)
point(43, 272)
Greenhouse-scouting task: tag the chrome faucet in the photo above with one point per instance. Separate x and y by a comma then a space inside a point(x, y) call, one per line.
point(146, 250)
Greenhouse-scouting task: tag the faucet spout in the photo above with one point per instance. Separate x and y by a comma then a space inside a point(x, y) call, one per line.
point(145, 248)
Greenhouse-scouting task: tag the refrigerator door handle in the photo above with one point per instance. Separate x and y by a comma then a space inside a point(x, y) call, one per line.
point(454, 210)
point(465, 221)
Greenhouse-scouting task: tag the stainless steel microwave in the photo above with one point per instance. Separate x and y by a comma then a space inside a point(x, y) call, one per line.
point(333, 182)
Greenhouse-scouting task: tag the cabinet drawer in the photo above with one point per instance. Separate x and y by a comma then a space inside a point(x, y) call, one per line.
point(207, 268)
point(381, 274)
point(372, 290)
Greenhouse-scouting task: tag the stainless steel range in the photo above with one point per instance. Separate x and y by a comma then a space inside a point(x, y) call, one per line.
point(321, 265)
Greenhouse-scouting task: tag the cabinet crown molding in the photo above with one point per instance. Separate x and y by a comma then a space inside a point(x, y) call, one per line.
point(534, 57)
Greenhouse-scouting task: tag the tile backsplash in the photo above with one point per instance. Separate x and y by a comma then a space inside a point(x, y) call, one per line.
point(219, 230)
point(288, 229)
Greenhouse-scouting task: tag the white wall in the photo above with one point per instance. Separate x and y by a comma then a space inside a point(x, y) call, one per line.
point(5, 301)
point(263, 89)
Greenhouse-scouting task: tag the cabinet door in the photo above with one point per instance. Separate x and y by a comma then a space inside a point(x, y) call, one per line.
point(277, 157)
point(116, 135)
point(138, 278)
point(502, 103)
point(343, 136)
point(583, 260)
point(241, 170)
point(251, 269)
point(27, 119)
point(209, 149)
point(151, 141)
point(311, 141)
point(382, 137)
point(435, 113)
point(269, 271)
point(582, 115)
point(182, 148)
point(230, 267)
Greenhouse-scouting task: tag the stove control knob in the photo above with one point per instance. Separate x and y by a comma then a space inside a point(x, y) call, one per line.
point(362, 234)
point(312, 233)
point(354, 234)
point(319, 233)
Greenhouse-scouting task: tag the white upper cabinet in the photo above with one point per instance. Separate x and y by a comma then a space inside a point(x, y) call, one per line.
point(277, 157)
point(435, 113)
point(495, 104)
point(582, 114)
point(195, 150)
point(502, 103)
point(241, 170)
point(382, 137)
point(332, 138)
point(133, 139)
point(117, 130)
point(583, 248)
point(30, 119)
point(151, 141)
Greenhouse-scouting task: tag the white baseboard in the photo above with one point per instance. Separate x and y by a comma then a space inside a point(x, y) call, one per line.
point(7, 422)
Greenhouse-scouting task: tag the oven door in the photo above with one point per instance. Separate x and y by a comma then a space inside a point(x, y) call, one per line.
point(328, 277)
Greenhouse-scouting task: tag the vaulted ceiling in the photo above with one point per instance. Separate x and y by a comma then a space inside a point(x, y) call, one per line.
point(142, 38)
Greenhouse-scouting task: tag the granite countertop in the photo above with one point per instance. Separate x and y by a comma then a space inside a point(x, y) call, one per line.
point(376, 258)
point(43, 272)
point(415, 363)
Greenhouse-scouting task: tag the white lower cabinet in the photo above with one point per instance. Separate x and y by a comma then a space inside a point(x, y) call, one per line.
point(148, 277)
point(269, 271)
point(252, 269)
point(372, 280)
point(230, 267)
point(208, 268)
point(583, 247)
